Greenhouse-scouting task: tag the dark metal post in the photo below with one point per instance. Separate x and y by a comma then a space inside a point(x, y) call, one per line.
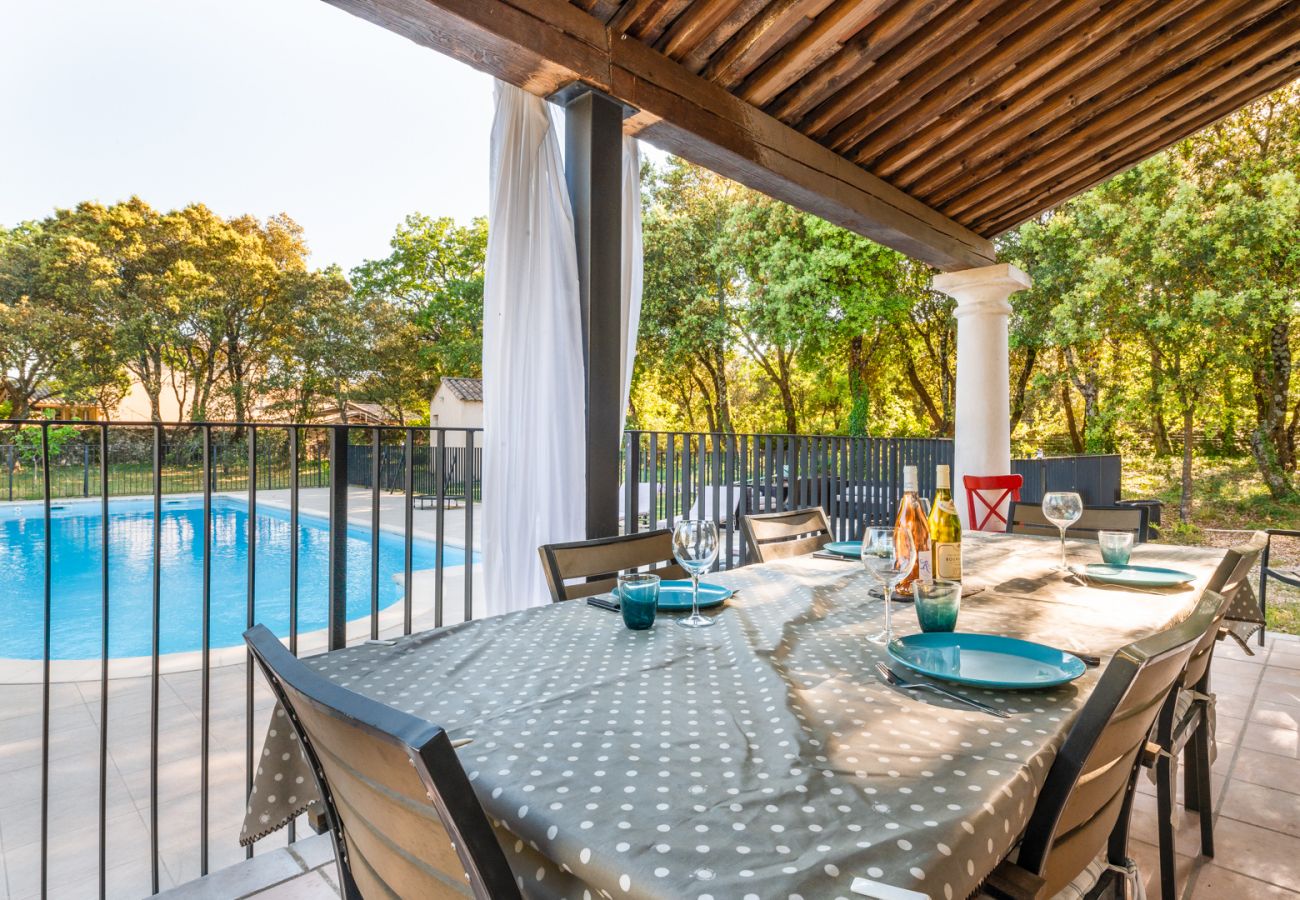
point(593, 134)
point(338, 580)
point(85, 469)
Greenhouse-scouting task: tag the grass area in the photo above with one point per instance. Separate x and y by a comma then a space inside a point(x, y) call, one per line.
point(1228, 497)
point(133, 479)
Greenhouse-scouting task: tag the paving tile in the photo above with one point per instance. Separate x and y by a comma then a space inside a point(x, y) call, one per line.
point(1238, 689)
point(315, 851)
point(1267, 769)
point(242, 879)
point(1147, 857)
point(1280, 694)
point(1245, 670)
point(309, 886)
point(1279, 676)
point(1260, 853)
point(28, 699)
point(1187, 825)
point(73, 856)
point(1213, 882)
point(1275, 715)
point(1283, 741)
point(1260, 805)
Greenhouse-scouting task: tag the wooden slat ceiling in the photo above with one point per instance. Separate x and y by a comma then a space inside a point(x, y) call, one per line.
point(988, 111)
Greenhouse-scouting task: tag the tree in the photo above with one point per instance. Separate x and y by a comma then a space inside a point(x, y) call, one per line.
point(429, 290)
point(690, 286)
point(48, 339)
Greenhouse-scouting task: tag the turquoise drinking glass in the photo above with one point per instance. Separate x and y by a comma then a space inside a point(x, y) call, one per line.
point(638, 599)
point(1116, 546)
point(937, 604)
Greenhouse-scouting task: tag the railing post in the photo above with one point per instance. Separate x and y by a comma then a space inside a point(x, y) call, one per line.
point(85, 470)
point(9, 462)
point(338, 531)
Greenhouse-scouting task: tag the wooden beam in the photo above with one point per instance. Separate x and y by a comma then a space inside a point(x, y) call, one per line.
point(761, 36)
point(1058, 61)
point(858, 54)
point(1073, 104)
point(817, 43)
point(1257, 45)
point(543, 45)
point(1011, 55)
point(863, 88)
point(1187, 122)
point(980, 42)
point(693, 27)
point(958, 142)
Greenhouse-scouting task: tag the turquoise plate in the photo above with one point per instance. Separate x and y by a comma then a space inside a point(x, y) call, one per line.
point(986, 660)
point(851, 549)
point(1136, 576)
point(676, 595)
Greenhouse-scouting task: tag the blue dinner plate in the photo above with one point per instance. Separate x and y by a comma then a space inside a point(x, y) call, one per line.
point(986, 660)
point(851, 549)
point(1136, 576)
point(676, 595)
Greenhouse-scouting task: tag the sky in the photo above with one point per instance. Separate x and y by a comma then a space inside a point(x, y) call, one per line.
point(249, 106)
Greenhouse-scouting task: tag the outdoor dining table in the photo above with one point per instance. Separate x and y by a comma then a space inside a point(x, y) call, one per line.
point(764, 757)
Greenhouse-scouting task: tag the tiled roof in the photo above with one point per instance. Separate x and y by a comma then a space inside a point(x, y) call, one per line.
point(469, 389)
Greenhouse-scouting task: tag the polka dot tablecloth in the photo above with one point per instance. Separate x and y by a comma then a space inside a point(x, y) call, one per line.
point(763, 757)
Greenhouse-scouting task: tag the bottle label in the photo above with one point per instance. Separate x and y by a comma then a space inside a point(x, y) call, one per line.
point(947, 561)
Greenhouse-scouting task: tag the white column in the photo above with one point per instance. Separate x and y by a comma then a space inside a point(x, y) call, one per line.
point(982, 432)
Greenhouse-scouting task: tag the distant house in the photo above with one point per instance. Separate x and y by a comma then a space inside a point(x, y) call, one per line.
point(458, 403)
point(133, 407)
point(358, 413)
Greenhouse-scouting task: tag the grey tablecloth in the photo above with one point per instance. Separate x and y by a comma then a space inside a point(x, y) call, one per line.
point(763, 757)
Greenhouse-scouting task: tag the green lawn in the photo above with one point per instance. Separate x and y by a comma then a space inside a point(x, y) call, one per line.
point(1228, 497)
point(131, 479)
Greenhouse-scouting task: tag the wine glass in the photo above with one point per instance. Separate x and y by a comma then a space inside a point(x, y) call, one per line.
point(695, 546)
point(888, 556)
point(1062, 509)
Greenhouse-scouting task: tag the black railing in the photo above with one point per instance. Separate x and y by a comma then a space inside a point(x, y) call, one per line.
point(856, 480)
point(330, 535)
point(302, 552)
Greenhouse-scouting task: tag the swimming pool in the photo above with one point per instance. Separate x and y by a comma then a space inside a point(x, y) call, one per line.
point(76, 599)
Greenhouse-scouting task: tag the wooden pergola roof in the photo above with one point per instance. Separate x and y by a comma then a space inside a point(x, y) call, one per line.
point(928, 125)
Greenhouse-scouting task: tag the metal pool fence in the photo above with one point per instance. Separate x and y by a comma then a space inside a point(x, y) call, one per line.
point(365, 480)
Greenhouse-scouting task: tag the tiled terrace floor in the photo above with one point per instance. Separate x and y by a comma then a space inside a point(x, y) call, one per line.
point(1256, 802)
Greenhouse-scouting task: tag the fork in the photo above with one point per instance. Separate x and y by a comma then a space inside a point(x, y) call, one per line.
point(893, 678)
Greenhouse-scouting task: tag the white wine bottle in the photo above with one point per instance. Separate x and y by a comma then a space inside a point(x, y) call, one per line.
point(945, 529)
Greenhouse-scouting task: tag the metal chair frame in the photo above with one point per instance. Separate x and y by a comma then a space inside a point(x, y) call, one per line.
point(594, 565)
point(1099, 728)
point(427, 748)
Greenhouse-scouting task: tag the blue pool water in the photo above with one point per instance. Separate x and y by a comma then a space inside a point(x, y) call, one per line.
point(76, 598)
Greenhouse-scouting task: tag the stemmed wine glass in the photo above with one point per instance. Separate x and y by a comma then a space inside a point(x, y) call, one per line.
point(695, 546)
point(888, 555)
point(1062, 509)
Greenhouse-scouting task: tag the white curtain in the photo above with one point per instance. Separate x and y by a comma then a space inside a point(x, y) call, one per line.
point(533, 395)
point(631, 262)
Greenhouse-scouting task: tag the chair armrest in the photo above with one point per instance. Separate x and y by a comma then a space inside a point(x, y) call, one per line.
point(1010, 882)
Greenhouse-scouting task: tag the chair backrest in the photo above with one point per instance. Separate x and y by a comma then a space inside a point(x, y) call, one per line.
point(404, 818)
point(781, 535)
point(1232, 578)
point(987, 496)
point(1088, 786)
point(594, 565)
point(1028, 518)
